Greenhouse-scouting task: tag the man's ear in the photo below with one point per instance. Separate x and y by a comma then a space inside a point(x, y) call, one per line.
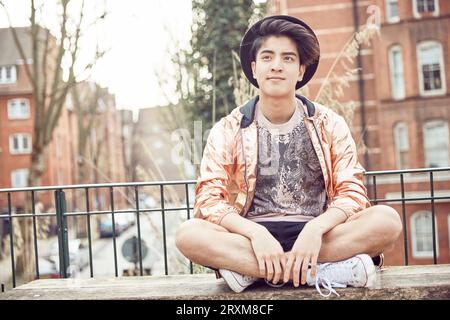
point(254, 69)
point(302, 72)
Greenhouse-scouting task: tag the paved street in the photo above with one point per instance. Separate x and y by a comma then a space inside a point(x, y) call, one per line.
point(103, 251)
point(151, 234)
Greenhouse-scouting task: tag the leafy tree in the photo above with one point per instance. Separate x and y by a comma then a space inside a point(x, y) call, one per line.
point(217, 30)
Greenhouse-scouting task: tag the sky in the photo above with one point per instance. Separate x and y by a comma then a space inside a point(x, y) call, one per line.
point(137, 35)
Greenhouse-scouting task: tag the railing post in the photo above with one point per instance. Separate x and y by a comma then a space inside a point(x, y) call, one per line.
point(63, 240)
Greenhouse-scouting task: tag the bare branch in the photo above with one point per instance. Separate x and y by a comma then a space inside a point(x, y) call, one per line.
point(57, 72)
point(44, 67)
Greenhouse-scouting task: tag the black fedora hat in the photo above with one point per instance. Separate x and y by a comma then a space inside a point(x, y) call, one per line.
point(250, 36)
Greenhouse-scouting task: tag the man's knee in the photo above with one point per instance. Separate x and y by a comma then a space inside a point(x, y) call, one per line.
point(390, 221)
point(184, 234)
point(192, 235)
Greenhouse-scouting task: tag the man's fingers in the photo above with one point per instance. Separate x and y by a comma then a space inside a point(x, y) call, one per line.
point(277, 274)
point(287, 270)
point(305, 265)
point(314, 266)
point(269, 269)
point(296, 271)
point(262, 268)
point(283, 261)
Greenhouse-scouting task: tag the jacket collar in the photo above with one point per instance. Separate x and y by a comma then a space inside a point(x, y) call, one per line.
point(248, 109)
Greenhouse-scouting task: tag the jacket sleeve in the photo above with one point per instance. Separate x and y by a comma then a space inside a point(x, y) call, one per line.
point(212, 197)
point(350, 193)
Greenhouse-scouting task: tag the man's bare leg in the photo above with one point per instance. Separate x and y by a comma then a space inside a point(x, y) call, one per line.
point(371, 231)
point(212, 245)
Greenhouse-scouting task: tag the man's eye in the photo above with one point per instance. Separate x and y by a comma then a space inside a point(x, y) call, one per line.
point(289, 59)
point(265, 57)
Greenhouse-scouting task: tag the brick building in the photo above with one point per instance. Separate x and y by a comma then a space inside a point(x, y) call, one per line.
point(402, 102)
point(17, 114)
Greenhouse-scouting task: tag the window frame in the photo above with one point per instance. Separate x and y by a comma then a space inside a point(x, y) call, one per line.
point(20, 117)
point(422, 90)
point(423, 254)
point(18, 171)
point(448, 225)
point(20, 149)
point(418, 15)
point(12, 78)
point(424, 129)
point(392, 49)
point(396, 140)
point(389, 18)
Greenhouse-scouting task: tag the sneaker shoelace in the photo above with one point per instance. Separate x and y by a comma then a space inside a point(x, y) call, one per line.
point(339, 272)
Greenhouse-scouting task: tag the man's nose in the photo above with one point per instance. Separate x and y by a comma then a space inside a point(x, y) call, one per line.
point(276, 64)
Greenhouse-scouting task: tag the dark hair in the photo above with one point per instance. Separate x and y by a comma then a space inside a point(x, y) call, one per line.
point(306, 42)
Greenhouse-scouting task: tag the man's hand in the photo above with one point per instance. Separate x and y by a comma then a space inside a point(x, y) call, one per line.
point(304, 252)
point(270, 255)
point(268, 251)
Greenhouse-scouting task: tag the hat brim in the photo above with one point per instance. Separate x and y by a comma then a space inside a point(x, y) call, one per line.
point(247, 42)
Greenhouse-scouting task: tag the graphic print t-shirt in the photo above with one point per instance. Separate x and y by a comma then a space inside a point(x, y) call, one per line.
point(289, 183)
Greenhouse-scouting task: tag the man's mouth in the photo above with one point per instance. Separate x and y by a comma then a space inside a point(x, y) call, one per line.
point(275, 78)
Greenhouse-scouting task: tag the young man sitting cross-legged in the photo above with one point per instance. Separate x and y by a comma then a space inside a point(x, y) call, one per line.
point(280, 194)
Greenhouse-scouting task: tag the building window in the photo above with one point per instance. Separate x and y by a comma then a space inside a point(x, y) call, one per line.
point(20, 143)
point(18, 109)
point(431, 68)
point(436, 142)
point(396, 69)
point(448, 224)
point(19, 178)
point(425, 7)
point(422, 235)
point(401, 145)
point(7, 74)
point(392, 11)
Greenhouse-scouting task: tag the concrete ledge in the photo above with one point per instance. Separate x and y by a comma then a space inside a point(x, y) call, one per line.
point(393, 283)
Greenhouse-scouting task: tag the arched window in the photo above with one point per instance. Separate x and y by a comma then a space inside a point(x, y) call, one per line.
point(422, 235)
point(401, 145)
point(396, 71)
point(431, 68)
point(436, 143)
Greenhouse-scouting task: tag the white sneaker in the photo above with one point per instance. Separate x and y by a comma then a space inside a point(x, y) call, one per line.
point(237, 282)
point(358, 271)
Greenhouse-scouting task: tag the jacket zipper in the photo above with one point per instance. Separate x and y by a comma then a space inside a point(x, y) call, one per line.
point(245, 172)
point(321, 147)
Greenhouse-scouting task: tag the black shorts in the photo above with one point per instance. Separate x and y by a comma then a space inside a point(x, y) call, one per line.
point(285, 232)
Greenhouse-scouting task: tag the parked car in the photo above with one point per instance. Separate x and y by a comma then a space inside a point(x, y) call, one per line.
point(123, 222)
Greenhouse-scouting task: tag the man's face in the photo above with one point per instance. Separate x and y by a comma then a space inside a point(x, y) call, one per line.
point(277, 67)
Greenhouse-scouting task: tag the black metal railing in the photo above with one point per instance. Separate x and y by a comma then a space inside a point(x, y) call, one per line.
point(432, 198)
point(62, 215)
